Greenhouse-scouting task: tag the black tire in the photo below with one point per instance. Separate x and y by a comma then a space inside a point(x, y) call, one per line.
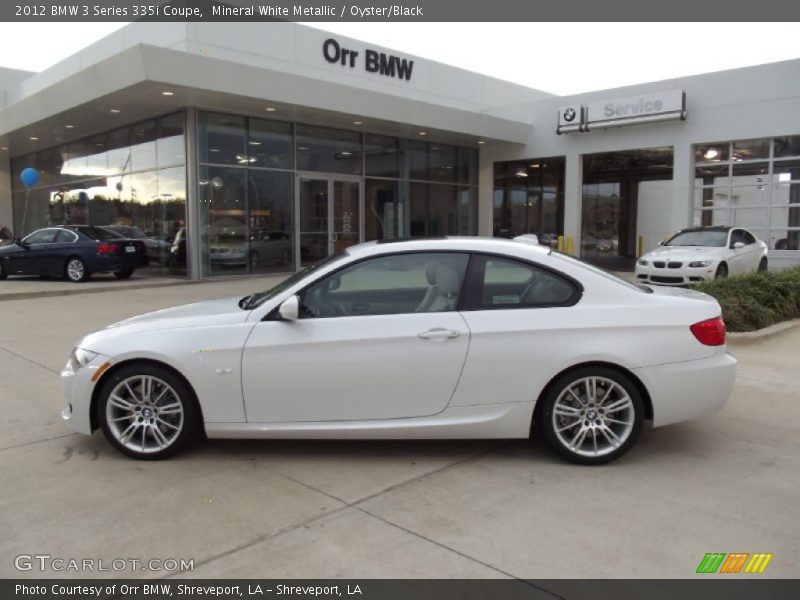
point(722, 271)
point(126, 274)
point(179, 393)
point(75, 270)
point(763, 265)
point(3, 274)
point(601, 447)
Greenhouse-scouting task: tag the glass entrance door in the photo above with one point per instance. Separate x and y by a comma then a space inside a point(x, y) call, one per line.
point(329, 216)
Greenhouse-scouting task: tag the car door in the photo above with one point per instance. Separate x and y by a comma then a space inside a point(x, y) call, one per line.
point(524, 326)
point(738, 256)
point(34, 247)
point(378, 339)
point(51, 256)
point(752, 254)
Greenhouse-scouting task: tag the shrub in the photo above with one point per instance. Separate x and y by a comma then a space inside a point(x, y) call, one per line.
point(757, 300)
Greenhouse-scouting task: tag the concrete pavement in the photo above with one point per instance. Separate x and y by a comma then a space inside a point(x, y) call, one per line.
point(726, 483)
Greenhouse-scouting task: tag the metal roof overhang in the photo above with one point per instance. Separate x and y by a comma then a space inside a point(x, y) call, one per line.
point(132, 83)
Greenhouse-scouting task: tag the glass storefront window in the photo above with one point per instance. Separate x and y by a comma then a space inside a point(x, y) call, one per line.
point(170, 145)
point(442, 163)
point(714, 152)
point(750, 149)
point(787, 146)
point(413, 159)
point(269, 144)
point(97, 156)
point(386, 212)
point(328, 150)
point(221, 139)
point(381, 156)
point(143, 146)
point(270, 220)
point(529, 198)
point(223, 220)
point(119, 151)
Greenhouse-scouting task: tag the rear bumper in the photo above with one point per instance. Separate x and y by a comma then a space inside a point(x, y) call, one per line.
point(686, 390)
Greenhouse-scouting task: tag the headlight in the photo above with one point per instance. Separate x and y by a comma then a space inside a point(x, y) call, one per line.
point(699, 263)
point(80, 358)
point(642, 262)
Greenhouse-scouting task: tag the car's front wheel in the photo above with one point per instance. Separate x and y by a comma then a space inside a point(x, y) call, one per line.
point(146, 411)
point(763, 265)
point(3, 274)
point(722, 271)
point(592, 415)
point(124, 274)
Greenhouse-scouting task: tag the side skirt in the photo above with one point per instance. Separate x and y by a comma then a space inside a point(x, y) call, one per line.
point(489, 421)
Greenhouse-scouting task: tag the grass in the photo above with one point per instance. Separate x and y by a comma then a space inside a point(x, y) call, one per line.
point(757, 300)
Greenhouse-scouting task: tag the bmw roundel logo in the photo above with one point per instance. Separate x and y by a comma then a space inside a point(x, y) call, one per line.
point(569, 115)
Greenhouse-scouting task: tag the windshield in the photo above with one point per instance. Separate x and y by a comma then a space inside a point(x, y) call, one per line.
point(704, 237)
point(257, 299)
point(607, 274)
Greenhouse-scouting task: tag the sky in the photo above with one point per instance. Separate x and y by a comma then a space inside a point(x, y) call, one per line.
point(561, 58)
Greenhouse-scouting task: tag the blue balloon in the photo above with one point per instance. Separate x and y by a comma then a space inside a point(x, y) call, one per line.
point(29, 177)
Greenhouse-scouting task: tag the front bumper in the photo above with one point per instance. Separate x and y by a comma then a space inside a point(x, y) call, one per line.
point(77, 388)
point(687, 390)
point(681, 276)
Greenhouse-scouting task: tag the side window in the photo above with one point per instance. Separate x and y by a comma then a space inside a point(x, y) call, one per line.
point(507, 283)
point(43, 236)
point(748, 238)
point(64, 236)
point(737, 236)
point(389, 285)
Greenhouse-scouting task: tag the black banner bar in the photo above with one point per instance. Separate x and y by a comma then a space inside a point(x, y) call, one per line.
point(371, 11)
point(734, 588)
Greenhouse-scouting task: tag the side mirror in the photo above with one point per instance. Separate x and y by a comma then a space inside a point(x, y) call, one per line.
point(21, 244)
point(737, 245)
point(289, 310)
point(661, 243)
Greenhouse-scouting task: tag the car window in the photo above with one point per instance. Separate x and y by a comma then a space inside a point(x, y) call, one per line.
point(65, 236)
point(98, 233)
point(507, 283)
point(43, 236)
point(387, 285)
point(737, 235)
point(748, 237)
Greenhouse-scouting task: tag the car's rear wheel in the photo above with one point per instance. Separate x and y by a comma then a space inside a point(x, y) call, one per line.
point(146, 411)
point(762, 265)
point(75, 270)
point(124, 274)
point(592, 415)
point(722, 271)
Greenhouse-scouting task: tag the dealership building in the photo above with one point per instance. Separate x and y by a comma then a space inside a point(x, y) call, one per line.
point(262, 147)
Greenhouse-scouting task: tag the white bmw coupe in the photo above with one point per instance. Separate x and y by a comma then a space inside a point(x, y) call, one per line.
point(700, 254)
point(445, 338)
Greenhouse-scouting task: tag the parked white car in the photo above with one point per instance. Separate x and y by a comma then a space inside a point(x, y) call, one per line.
point(701, 254)
point(447, 338)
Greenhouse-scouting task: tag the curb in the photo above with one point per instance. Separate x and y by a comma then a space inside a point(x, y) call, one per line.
point(761, 335)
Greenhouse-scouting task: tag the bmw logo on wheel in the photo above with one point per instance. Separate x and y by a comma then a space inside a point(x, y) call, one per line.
point(569, 115)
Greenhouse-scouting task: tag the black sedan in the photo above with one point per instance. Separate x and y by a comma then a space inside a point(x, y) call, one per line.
point(75, 252)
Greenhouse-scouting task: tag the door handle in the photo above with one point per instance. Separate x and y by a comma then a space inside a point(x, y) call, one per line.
point(439, 333)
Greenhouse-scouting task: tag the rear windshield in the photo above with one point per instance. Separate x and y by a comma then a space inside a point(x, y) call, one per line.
point(699, 238)
point(603, 272)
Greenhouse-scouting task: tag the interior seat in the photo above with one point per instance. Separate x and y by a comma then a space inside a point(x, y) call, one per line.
point(444, 283)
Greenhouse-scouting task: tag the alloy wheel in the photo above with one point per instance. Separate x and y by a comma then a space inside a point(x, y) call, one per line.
point(593, 416)
point(76, 270)
point(144, 414)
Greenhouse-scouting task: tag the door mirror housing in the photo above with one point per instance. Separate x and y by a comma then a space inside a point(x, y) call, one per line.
point(289, 309)
point(22, 244)
point(737, 245)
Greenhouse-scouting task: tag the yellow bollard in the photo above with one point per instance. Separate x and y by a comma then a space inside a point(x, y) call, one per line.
point(570, 245)
point(560, 243)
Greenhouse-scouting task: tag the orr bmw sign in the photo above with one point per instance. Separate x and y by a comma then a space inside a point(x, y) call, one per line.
point(645, 108)
point(381, 63)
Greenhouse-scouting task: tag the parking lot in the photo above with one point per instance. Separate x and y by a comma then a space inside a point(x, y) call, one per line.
point(726, 483)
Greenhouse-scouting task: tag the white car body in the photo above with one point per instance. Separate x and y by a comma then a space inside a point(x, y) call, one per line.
point(451, 374)
point(684, 265)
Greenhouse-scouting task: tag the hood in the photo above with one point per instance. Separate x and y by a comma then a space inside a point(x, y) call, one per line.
point(209, 312)
point(685, 253)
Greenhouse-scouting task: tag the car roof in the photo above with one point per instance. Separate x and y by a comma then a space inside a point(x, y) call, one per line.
point(454, 243)
point(707, 228)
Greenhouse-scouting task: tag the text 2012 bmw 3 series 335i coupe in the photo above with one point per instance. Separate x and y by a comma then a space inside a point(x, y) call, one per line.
point(445, 338)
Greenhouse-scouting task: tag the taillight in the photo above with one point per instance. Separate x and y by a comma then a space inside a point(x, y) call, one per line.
point(107, 248)
point(710, 332)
